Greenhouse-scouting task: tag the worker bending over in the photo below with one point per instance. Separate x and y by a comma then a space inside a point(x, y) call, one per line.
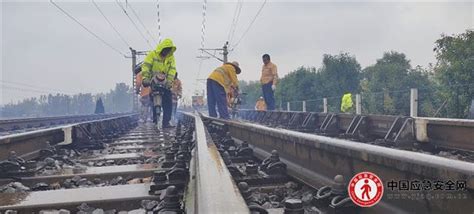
point(220, 83)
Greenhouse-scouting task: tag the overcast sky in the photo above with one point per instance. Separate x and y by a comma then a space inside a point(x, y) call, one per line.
point(43, 48)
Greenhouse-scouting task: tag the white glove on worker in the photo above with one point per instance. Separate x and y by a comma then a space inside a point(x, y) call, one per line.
point(274, 87)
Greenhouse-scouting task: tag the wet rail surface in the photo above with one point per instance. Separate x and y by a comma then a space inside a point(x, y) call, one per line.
point(84, 134)
point(140, 170)
point(266, 185)
point(114, 178)
point(186, 170)
point(318, 160)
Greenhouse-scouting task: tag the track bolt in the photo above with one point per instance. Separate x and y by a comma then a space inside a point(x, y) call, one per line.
point(293, 206)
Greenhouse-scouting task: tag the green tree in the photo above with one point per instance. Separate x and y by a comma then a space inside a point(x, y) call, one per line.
point(252, 90)
point(339, 74)
point(298, 85)
point(117, 100)
point(455, 72)
point(428, 93)
point(386, 85)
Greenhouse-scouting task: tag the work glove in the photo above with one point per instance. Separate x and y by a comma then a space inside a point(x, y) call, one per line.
point(274, 87)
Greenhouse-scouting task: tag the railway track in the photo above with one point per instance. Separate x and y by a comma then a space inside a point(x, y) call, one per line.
point(317, 159)
point(18, 125)
point(452, 138)
point(207, 165)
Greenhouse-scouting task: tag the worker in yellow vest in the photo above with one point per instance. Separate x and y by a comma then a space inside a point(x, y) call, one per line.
point(346, 103)
point(220, 83)
point(159, 66)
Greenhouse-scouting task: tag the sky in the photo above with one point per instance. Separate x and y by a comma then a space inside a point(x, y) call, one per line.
point(45, 51)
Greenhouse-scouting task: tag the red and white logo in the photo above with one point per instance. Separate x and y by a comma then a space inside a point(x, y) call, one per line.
point(365, 189)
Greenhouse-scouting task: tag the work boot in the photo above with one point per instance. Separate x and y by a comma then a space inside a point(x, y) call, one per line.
point(167, 126)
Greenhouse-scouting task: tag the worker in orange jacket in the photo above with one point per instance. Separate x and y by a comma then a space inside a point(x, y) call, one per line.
point(144, 93)
point(220, 83)
point(269, 81)
point(176, 93)
point(261, 105)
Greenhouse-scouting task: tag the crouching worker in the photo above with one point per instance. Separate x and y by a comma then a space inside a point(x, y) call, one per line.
point(261, 105)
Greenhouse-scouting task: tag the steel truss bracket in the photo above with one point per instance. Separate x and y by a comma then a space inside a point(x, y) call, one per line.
point(329, 125)
point(269, 118)
point(252, 115)
point(406, 134)
point(275, 118)
point(297, 121)
point(310, 122)
point(401, 133)
point(284, 119)
point(358, 128)
point(260, 116)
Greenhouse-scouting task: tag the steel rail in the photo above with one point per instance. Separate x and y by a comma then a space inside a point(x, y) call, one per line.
point(445, 133)
point(36, 122)
point(28, 144)
point(442, 132)
point(211, 188)
point(316, 159)
point(121, 184)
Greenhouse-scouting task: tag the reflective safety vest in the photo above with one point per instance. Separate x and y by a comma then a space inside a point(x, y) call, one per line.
point(346, 102)
point(226, 76)
point(154, 63)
